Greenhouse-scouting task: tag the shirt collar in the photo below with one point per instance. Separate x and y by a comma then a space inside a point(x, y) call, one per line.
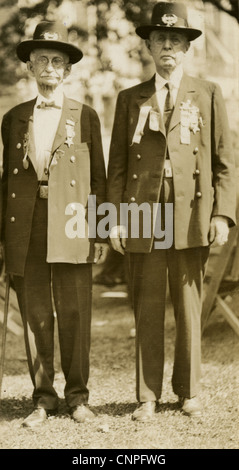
point(175, 79)
point(57, 98)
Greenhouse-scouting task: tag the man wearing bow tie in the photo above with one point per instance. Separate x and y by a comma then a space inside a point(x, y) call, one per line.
point(170, 150)
point(52, 163)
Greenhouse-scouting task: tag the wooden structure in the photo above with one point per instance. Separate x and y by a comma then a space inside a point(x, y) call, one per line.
point(214, 296)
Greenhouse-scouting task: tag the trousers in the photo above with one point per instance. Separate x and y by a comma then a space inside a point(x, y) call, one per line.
point(67, 290)
point(184, 271)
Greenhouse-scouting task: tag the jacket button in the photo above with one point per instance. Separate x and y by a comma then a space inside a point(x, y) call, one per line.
point(13, 195)
point(73, 183)
point(12, 219)
point(139, 157)
point(132, 199)
point(197, 172)
point(199, 194)
point(135, 177)
point(195, 150)
point(15, 171)
point(73, 159)
point(18, 145)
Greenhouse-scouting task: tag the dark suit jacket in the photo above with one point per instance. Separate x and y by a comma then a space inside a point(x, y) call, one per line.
point(71, 181)
point(203, 170)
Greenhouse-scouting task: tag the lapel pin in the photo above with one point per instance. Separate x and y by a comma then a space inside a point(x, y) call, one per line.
point(25, 162)
point(70, 132)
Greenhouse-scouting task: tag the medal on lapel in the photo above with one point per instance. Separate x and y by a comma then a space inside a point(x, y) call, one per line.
point(190, 121)
point(139, 131)
point(56, 157)
point(70, 132)
point(154, 120)
point(25, 161)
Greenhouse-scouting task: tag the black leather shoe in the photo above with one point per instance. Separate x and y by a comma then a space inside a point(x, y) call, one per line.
point(82, 413)
point(36, 418)
point(191, 406)
point(145, 412)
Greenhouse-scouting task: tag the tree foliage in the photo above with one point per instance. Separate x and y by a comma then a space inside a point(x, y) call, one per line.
point(228, 6)
point(19, 13)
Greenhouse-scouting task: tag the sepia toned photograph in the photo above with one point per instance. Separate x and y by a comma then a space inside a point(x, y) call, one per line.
point(119, 203)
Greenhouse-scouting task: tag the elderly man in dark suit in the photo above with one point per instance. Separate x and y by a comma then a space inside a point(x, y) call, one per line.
point(53, 174)
point(170, 149)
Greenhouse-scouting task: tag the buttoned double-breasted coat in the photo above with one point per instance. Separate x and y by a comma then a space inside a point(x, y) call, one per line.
point(76, 171)
point(202, 168)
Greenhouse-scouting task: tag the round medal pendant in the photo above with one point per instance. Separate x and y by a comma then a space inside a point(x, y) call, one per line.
point(25, 164)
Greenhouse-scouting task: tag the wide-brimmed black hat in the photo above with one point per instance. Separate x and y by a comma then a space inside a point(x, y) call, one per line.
point(169, 16)
point(49, 35)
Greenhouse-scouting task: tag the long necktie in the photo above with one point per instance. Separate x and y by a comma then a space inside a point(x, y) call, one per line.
point(168, 107)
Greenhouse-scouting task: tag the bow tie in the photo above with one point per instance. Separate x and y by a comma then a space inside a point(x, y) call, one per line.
point(44, 105)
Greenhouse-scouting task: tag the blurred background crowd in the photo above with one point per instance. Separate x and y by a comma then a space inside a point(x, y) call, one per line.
point(114, 56)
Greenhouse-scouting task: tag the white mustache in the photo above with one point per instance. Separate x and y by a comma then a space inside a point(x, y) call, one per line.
point(49, 76)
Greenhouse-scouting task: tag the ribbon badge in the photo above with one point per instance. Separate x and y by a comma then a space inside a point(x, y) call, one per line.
point(190, 121)
point(56, 157)
point(143, 115)
point(25, 161)
point(70, 132)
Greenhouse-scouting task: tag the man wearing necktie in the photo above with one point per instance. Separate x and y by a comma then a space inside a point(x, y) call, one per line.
point(170, 149)
point(52, 162)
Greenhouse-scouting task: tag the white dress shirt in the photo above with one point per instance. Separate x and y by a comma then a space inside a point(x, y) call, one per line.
point(161, 90)
point(45, 124)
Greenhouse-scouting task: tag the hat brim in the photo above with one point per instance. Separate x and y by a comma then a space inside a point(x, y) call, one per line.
point(145, 30)
point(25, 48)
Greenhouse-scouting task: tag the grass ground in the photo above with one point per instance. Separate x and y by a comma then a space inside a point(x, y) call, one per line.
point(112, 391)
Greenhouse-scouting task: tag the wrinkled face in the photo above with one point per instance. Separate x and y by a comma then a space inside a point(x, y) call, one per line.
point(167, 49)
point(49, 67)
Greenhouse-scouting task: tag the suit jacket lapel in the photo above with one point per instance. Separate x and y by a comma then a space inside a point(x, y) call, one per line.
point(147, 90)
point(148, 98)
point(186, 92)
point(26, 111)
point(26, 129)
point(68, 112)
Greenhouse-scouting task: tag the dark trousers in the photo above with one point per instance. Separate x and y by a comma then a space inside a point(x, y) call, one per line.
point(184, 269)
point(67, 289)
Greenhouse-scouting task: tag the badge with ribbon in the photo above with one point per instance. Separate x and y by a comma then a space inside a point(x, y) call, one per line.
point(25, 161)
point(154, 120)
point(190, 121)
point(70, 132)
point(56, 157)
point(139, 131)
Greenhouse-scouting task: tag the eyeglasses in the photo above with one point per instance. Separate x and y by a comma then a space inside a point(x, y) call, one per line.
point(57, 62)
point(160, 39)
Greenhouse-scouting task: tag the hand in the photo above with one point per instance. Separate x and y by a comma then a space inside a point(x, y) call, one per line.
point(118, 238)
point(219, 230)
point(101, 251)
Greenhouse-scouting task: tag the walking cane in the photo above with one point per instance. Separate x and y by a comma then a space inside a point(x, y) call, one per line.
point(4, 330)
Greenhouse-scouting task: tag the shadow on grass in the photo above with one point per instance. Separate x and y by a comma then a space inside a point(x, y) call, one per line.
point(122, 409)
point(12, 408)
